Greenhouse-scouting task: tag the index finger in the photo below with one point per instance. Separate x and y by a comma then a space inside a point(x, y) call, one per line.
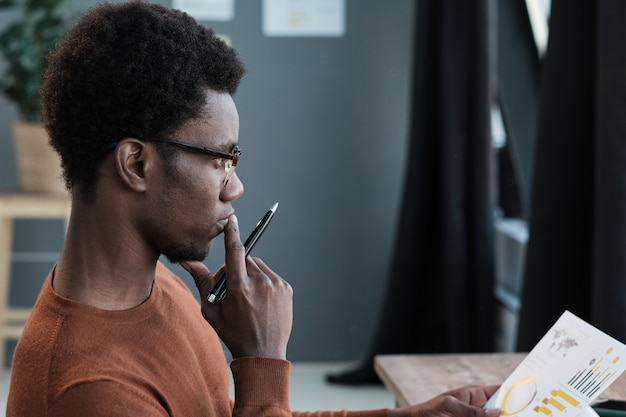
point(235, 251)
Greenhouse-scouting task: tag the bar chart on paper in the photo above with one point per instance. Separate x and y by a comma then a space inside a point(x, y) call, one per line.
point(558, 400)
point(569, 367)
point(594, 378)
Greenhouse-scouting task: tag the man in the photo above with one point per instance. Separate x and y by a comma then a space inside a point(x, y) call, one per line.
point(138, 103)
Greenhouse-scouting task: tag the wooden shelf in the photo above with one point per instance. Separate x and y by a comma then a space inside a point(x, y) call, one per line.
point(21, 206)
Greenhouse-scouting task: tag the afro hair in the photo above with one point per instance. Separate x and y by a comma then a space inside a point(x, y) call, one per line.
point(133, 69)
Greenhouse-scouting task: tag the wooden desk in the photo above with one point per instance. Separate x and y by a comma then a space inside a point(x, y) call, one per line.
point(414, 379)
point(13, 206)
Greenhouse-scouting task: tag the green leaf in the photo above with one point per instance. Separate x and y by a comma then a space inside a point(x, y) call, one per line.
point(24, 46)
point(7, 3)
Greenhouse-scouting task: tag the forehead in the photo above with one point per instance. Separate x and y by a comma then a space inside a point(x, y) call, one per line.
point(217, 125)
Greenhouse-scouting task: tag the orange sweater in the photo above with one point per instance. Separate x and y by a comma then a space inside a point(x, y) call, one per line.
point(160, 358)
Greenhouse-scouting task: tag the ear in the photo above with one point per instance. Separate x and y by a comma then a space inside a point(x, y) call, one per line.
point(132, 159)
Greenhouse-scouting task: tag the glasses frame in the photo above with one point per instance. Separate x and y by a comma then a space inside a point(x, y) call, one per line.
point(232, 156)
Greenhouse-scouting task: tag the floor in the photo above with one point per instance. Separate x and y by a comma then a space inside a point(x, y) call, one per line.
point(308, 391)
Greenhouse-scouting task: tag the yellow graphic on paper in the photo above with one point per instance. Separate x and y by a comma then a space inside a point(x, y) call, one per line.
point(557, 402)
point(518, 397)
point(564, 395)
point(542, 409)
point(553, 402)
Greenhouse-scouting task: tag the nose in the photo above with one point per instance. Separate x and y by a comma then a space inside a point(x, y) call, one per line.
point(233, 190)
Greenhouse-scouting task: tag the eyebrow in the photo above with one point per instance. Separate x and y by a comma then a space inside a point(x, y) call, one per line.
point(228, 145)
point(223, 145)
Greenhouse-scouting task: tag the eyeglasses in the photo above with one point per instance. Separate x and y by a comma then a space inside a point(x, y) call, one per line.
point(230, 158)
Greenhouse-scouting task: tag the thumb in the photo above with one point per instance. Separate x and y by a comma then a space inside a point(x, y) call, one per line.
point(201, 276)
point(492, 412)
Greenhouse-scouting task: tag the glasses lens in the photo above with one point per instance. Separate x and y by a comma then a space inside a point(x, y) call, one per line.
point(236, 154)
point(229, 167)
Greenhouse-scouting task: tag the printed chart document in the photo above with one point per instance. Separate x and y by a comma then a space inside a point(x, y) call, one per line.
point(570, 367)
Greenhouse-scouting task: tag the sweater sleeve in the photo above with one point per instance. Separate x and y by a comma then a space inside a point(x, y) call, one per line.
point(262, 389)
point(382, 412)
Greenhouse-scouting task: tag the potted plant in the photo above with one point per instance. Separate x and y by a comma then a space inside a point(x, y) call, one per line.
point(24, 45)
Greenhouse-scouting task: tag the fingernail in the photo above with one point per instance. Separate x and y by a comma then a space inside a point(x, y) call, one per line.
point(185, 266)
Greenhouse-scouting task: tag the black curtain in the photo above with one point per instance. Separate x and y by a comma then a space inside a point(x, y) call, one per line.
point(440, 288)
point(576, 255)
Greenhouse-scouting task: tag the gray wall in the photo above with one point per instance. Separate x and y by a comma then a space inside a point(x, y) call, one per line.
point(324, 131)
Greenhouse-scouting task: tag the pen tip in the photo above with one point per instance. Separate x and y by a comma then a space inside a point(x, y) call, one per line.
point(274, 207)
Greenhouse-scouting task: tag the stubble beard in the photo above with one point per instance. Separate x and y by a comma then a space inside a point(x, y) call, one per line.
point(186, 253)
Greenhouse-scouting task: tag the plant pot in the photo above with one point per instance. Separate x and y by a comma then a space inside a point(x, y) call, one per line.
point(39, 166)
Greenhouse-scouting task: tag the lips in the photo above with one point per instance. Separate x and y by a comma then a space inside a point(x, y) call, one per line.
point(221, 225)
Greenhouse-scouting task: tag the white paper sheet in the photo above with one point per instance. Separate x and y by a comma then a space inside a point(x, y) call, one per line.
point(304, 17)
point(570, 367)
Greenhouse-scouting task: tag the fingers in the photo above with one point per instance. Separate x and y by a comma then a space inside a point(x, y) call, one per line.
point(201, 275)
point(492, 412)
point(266, 270)
point(473, 397)
point(463, 402)
point(476, 395)
point(239, 268)
point(235, 251)
point(273, 281)
point(256, 316)
point(235, 259)
point(490, 390)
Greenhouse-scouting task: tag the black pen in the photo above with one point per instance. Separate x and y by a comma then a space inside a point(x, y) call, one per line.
point(219, 291)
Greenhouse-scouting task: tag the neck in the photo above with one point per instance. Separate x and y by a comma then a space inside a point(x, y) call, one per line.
point(103, 263)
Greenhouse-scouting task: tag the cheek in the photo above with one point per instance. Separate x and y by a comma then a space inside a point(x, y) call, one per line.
point(199, 197)
point(195, 190)
point(196, 179)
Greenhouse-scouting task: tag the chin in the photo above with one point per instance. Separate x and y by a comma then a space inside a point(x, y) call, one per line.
point(187, 254)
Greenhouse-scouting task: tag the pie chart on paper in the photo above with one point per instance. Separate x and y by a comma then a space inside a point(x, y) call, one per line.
point(518, 396)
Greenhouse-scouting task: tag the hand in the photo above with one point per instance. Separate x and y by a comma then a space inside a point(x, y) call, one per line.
point(462, 402)
point(256, 316)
